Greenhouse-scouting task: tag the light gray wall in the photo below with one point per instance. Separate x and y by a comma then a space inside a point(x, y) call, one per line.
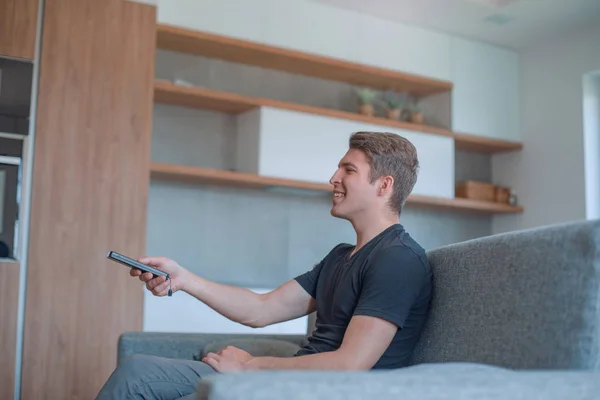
point(548, 174)
point(591, 128)
point(469, 166)
point(260, 238)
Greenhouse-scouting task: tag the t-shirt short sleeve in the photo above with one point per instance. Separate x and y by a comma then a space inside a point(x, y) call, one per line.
point(391, 284)
point(309, 279)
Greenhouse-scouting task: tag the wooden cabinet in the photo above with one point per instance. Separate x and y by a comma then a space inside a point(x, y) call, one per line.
point(485, 97)
point(89, 193)
point(18, 24)
point(9, 299)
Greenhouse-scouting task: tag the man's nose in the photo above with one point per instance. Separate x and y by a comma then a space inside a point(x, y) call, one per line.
point(334, 179)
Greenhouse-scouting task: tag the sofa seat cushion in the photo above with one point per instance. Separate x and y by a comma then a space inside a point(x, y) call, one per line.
point(258, 347)
point(441, 381)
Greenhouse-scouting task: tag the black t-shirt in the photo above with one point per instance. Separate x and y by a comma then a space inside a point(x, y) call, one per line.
point(389, 278)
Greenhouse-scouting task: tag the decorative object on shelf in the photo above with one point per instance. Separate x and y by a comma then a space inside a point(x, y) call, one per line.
point(393, 103)
point(183, 82)
point(415, 111)
point(502, 194)
point(366, 98)
point(476, 190)
point(512, 198)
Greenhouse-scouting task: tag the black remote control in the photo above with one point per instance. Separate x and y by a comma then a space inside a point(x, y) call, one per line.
point(112, 255)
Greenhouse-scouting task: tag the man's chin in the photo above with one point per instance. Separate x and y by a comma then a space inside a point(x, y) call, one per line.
point(335, 212)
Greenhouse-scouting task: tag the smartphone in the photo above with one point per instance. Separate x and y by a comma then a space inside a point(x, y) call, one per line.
point(112, 255)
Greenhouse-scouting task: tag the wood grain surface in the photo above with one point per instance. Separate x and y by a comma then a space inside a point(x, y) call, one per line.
point(89, 194)
point(18, 25)
point(9, 302)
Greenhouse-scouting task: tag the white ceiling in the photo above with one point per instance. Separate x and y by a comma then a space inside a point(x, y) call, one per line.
point(529, 21)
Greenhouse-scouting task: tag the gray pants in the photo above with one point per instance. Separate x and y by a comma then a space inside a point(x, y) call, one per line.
point(157, 378)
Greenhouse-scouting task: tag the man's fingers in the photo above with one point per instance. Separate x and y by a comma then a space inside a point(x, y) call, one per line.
point(212, 362)
point(135, 272)
point(152, 283)
point(146, 276)
point(163, 287)
point(213, 356)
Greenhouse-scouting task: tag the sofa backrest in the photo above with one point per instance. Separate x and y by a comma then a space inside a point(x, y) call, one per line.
point(528, 299)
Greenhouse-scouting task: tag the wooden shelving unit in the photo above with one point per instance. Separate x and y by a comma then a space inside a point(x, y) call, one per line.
point(233, 103)
point(238, 179)
point(296, 62)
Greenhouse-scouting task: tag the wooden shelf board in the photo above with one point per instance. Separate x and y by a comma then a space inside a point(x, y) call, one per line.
point(196, 97)
point(228, 178)
point(480, 144)
point(239, 179)
point(464, 204)
point(296, 62)
point(233, 103)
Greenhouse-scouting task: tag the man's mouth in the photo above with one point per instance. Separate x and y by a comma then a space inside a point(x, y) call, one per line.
point(338, 194)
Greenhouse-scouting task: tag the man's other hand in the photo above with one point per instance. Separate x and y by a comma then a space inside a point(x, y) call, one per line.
point(228, 359)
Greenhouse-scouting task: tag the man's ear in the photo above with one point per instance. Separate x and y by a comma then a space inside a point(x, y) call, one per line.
point(386, 186)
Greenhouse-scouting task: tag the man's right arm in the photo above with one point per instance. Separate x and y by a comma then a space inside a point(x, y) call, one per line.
point(287, 302)
point(241, 305)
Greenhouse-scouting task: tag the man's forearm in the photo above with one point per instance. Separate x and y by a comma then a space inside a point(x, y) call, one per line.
point(334, 360)
point(238, 304)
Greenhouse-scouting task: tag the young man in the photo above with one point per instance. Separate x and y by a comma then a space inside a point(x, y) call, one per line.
point(371, 298)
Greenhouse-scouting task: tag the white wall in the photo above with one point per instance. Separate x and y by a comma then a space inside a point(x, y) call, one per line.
point(317, 28)
point(591, 129)
point(184, 313)
point(548, 174)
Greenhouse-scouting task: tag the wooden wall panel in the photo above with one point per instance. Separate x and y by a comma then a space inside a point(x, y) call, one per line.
point(89, 194)
point(9, 301)
point(18, 22)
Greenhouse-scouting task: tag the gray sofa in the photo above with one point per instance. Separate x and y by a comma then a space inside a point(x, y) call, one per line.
point(513, 316)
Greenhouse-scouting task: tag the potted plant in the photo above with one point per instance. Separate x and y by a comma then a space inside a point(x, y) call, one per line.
point(366, 98)
point(393, 103)
point(415, 110)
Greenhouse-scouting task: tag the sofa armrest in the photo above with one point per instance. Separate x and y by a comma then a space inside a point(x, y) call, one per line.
point(524, 299)
point(189, 346)
point(424, 382)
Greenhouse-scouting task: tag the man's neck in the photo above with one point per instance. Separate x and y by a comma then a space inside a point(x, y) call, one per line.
point(371, 226)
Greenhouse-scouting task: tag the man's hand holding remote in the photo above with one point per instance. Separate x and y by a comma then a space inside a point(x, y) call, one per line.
point(159, 286)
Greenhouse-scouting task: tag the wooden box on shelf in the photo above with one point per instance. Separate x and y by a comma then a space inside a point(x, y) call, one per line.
point(502, 195)
point(476, 190)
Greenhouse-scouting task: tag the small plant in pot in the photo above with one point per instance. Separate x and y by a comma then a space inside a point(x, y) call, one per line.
point(393, 103)
point(366, 98)
point(415, 111)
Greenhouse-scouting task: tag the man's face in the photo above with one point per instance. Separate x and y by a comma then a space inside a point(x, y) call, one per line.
point(352, 191)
